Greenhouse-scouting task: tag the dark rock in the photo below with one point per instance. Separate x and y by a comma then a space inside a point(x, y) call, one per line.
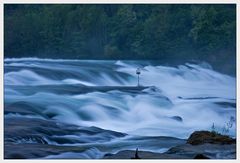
point(201, 137)
point(126, 154)
point(17, 156)
point(177, 118)
point(212, 151)
point(37, 138)
point(108, 155)
point(197, 98)
point(201, 156)
point(227, 104)
point(76, 89)
point(33, 151)
point(23, 108)
point(184, 151)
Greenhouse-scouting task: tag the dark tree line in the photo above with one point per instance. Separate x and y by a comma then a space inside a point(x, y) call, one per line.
point(163, 32)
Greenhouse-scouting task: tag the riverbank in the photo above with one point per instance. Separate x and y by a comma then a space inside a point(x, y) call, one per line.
point(37, 138)
point(200, 145)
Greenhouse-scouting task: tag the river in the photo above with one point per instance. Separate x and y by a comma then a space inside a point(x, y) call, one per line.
point(88, 108)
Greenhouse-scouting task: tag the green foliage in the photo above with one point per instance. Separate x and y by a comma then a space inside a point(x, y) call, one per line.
point(180, 32)
point(111, 51)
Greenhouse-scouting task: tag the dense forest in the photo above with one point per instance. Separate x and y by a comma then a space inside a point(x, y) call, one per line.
point(115, 31)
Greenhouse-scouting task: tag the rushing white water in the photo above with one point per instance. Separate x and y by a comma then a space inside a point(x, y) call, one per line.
point(177, 100)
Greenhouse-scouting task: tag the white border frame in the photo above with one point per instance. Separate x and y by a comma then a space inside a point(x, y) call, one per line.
point(116, 2)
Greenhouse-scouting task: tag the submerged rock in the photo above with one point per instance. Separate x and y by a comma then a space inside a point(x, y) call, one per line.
point(177, 118)
point(201, 137)
point(184, 151)
point(200, 145)
point(212, 151)
point(37, 138)
point(227, 104)
point(201, 156)
point(126, 154)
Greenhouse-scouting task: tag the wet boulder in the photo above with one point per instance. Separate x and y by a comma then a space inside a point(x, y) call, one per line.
point(201, 156)
point(177, 118)
point(201, 137)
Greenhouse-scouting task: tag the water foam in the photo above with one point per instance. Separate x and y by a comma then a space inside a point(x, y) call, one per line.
point(188, 91)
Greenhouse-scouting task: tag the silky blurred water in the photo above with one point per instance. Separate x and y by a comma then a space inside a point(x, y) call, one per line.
point(175, 101)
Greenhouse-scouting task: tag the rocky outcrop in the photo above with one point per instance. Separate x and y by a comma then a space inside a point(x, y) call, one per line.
point(201, 137)
point(130, 154)
point(184, 151)
point(212, 151)
point(200, 145)
point(38, 138)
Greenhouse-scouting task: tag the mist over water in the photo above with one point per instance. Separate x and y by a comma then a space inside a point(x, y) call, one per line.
point(173, 101)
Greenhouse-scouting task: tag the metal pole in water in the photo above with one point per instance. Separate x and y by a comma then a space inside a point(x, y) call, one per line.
point(138, 80)
point(138, 72)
